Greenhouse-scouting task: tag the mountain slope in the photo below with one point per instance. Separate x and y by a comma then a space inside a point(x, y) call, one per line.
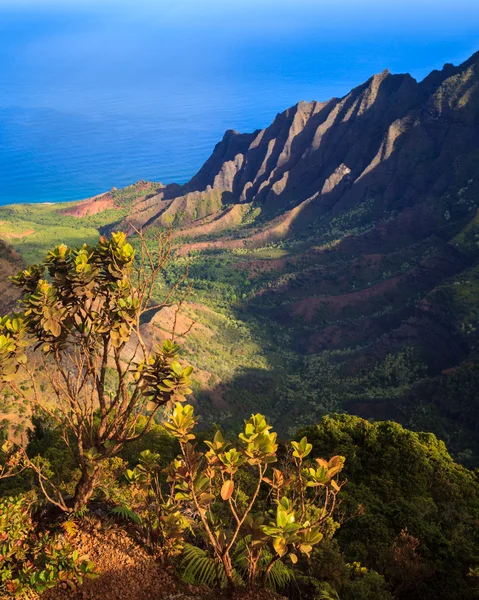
point(10, 264)
point(334, 257)
point(372, 199)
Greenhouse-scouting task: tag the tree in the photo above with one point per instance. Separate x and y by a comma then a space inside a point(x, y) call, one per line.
point(249, 533)
point(77, 351)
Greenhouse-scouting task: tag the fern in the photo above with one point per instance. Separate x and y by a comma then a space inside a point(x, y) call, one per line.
point(279, 576)
point(70, 528)
point(200, 569)
point(80, 513)
point(328, 593)
point(126, 513)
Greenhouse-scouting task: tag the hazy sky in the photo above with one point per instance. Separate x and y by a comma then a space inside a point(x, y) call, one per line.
point(324, 46)
point(347, 30)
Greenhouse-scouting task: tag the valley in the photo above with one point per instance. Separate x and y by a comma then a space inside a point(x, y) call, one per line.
point(333, 258)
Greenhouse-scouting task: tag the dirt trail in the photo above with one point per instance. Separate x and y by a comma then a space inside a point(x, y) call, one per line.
point(18, 236)
point(125, 571)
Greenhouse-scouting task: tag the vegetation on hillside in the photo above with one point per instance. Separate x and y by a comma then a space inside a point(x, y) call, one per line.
point(390, 515)
point(252, 352)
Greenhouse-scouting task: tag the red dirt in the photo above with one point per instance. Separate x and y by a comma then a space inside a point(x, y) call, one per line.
point(307, 308)
point(125, 570)
point(91, 206)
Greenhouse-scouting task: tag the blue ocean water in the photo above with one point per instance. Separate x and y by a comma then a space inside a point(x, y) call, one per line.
point(102, 93)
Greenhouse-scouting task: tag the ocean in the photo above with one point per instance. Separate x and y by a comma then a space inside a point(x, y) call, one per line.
point(101, 94)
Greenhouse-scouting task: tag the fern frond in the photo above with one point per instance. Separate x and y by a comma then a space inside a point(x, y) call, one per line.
point(200, 569)
point(125, 512)
point(279, 576)
point(70, 528)
point(79, 514)
point(328, 593)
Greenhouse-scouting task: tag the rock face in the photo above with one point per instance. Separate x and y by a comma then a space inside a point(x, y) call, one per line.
point(392, 138)
point(380, 189)
point(391, 142)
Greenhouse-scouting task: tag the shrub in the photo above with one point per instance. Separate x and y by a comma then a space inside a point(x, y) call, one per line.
point(247, 516)
point(417, 509)
point(32, 561)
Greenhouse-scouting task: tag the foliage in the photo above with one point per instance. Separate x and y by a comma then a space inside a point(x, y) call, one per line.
point(77, 322)
point(12, 463)
point(162, 523)
point(397, 481)
point(199, 568)
point(223, 488)
point(259, 356)
point(242, 535)
point(31, 560)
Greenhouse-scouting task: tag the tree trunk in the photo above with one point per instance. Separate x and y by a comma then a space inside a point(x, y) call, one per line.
point(84, 489)
point(228, 567)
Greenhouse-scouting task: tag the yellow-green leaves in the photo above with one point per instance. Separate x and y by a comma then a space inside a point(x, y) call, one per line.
point(199, 481)
point(142, 474)
point(89, 293)
point(284, 513)
point(60, 252)
point(28, 278)
point(302, 448)
point(289, 535)
point(216, 447)
point(324, 473)
point(12, 345)
point(181, 422)
point(164, 379)
point(309, 538)
point(117, 255)
point(81, 262)
point(284, 532)
point(259, 445)
point(120, 335)
point(231, 460)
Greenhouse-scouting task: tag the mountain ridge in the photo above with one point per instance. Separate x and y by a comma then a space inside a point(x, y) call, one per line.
point(319, 149)
point(345, 235)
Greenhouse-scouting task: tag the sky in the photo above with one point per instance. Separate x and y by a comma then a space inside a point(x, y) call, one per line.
point(195, 33)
